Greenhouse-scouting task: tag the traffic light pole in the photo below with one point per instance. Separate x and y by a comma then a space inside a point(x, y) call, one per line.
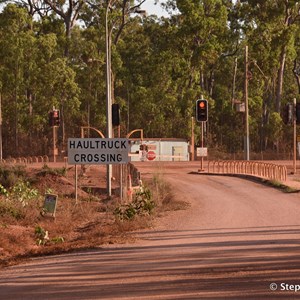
point(202, 145)
point(54, 143)
point(295, 137)
point(192, 149)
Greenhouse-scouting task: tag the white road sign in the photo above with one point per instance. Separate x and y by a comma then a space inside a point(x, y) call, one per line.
point(201, 152)
point(94, 151)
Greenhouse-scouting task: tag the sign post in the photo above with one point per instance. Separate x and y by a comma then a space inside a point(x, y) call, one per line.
point(295, 137)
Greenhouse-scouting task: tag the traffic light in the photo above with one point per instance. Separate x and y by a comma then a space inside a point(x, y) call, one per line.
point(54, 118)
point(115, 114)
point(298, 113)
point(288, 114)
point(201, 110)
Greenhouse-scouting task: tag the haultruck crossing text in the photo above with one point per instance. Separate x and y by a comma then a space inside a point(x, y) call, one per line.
point(97, 151)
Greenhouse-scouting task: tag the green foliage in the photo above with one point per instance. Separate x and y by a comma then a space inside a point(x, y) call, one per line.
point(42, 237)
point(142, 204)
point(57, 240)
point(15, 192)
point(159, 69)
point(9, 176)
point(15, 200)
point(46, 170)
point(23, 193)
point(275, 127)
point(3, 191)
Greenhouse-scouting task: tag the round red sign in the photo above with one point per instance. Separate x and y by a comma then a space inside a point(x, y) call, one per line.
point(151, 155)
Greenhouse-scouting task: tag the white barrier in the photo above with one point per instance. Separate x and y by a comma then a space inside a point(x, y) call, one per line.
point(255, 168)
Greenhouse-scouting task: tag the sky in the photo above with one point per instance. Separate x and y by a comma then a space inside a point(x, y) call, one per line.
point(152, 8)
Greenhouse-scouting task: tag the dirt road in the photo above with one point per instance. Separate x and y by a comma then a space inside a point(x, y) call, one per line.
point(237, 240)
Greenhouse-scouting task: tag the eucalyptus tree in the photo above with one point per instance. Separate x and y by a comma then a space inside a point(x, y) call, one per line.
point(88, 53)
point(151, 77)
point(270, 28)
point(17, 59)
point(206, 43)
point(34, 79)
point(270, 25)
point(296, 62)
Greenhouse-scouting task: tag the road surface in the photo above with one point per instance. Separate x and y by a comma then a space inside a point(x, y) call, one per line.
point(237, 240)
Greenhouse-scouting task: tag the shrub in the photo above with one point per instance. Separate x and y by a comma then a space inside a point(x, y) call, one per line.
point(52, 171)
point(22, 192)
point(42, 237)
point(3, 191)
point(142, 204)
point(9, 176)
point(7, 208)
point(14, 201)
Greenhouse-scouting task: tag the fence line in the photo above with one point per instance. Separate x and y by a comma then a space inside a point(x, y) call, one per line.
point(25, 160)
point(255, 168)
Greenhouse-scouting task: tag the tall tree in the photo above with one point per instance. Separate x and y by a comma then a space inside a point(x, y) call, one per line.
point(275, 21)
point(17, 57)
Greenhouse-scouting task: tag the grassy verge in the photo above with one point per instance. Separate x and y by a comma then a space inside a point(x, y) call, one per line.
point(154, 199)
point(84, 225)
point(279, 185)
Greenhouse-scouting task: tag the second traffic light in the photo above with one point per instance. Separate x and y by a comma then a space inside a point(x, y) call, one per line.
point(115, 114)
point(201, 110)
point(298, 113)
point(291, 113)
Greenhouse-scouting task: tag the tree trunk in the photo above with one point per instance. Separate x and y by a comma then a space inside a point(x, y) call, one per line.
point(68, 36)
point(280, 79)
point(297, 74)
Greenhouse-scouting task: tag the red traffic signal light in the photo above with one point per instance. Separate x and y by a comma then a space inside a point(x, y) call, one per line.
point(201, 110)
point(54, 118)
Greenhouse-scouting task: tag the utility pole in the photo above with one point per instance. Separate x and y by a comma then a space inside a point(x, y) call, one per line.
point(108, 95)
point(246, 142)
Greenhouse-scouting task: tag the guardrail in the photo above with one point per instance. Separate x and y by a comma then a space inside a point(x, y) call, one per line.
point(255, 168)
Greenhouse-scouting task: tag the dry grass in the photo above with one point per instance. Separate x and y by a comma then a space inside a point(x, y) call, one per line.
point(163, 194)
point(87, 224)
point(81, 225)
